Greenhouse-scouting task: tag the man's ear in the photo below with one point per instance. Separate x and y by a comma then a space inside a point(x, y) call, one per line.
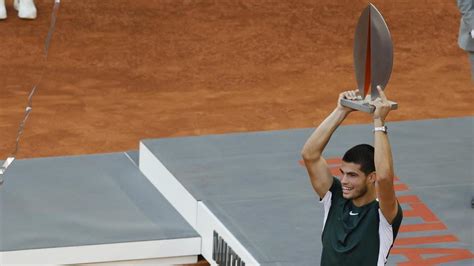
point(372, 177)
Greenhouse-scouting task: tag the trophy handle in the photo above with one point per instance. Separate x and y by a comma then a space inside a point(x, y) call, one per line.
point(363, 105)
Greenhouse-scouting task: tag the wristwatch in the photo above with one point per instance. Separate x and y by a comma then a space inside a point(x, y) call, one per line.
point(383, 129)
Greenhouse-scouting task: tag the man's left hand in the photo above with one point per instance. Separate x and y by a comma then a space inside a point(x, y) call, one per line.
point(382, 105)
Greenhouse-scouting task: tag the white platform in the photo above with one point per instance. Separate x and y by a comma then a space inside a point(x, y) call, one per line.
point(91, 210)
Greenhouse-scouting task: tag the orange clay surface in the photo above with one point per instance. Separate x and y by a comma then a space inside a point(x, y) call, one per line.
point(123, 70)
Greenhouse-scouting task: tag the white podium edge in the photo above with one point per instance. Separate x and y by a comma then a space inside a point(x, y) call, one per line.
point(140, 250)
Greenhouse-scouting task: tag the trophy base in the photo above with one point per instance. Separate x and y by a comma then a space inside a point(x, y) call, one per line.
point(364, 106)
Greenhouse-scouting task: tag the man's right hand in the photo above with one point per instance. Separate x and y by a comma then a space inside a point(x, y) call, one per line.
point(350, 95)
point(318, 169)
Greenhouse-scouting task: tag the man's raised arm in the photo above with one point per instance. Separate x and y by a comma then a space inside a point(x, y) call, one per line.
point(383, 161)
point(318, 170)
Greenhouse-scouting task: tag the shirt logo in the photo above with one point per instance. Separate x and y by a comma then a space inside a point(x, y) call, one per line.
point(351, 213)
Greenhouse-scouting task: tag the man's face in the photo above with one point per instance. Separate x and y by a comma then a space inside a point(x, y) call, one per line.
point(354, 182)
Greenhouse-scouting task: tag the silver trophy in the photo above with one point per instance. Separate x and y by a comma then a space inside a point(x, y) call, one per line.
point(373, 59)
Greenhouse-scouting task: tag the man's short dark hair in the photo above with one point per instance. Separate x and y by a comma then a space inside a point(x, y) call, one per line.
point(362, 154)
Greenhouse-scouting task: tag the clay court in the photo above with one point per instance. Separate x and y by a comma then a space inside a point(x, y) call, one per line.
point(122, 71)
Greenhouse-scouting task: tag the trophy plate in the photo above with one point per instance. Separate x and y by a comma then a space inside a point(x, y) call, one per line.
point(373, 58)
